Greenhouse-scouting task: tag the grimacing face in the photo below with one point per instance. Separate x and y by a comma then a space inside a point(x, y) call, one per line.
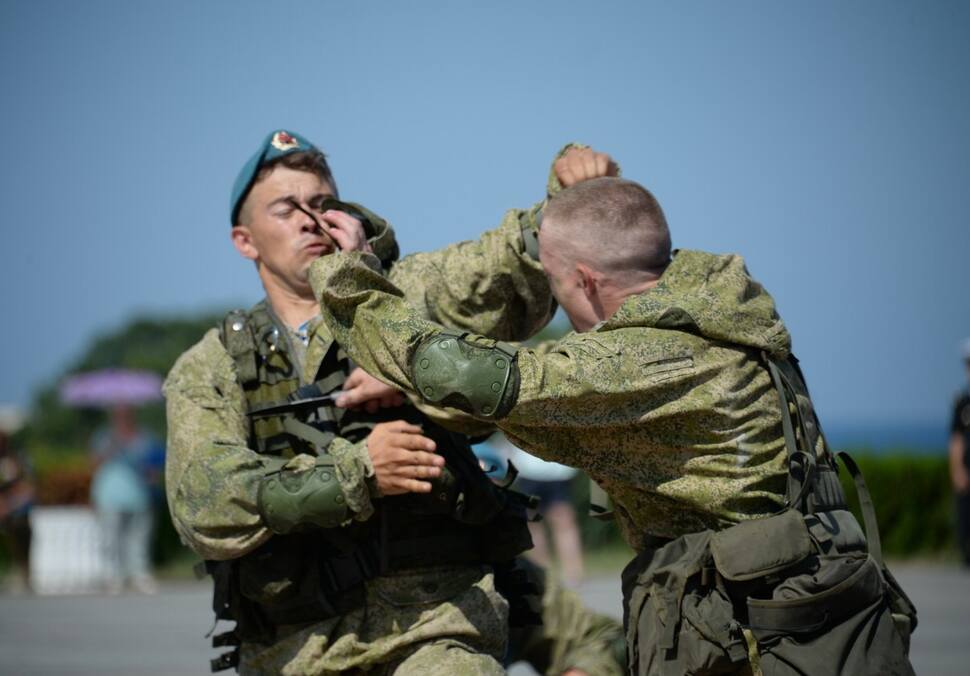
point(282, 238)
point(565, 281)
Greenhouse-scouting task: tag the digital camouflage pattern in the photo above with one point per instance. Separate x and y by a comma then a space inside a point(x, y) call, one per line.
point(490, 285)
point(449, 618)
point(666, 405)
point(570, 635)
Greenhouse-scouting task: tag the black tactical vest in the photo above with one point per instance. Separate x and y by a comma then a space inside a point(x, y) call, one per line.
point(316, 573)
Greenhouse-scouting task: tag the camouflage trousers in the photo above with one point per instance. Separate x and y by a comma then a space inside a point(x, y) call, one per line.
point(447, 620)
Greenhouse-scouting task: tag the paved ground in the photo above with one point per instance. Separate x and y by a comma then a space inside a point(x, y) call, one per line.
point(163, 635)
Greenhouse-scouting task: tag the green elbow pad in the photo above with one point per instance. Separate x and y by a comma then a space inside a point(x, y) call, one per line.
point(473, 374)
point(288, 498)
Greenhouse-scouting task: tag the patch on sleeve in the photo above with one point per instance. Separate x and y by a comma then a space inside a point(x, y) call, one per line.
point(668, 368)
point(588, 347)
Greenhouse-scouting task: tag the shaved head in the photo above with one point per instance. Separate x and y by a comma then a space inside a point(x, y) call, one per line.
point(613, 225)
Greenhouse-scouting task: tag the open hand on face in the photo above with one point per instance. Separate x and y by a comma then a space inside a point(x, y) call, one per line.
point(581, 164)
point(403, 459)
point(363, 391)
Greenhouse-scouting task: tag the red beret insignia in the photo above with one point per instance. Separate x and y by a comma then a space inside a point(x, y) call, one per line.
point(283, 141)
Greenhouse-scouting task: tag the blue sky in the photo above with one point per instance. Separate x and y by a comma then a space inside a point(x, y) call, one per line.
point(828, 142)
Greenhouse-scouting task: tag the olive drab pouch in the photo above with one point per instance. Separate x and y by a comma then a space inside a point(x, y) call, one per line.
point(678, 619)
point(761, 547)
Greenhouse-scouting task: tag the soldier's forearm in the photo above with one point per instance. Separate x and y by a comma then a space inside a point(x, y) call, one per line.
point(368, 316)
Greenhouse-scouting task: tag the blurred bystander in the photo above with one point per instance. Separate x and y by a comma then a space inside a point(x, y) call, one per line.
point(960, 460)
point(16, 498)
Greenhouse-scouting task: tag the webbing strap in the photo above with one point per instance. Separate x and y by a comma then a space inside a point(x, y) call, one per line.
point(797, 368)
point(308, 432)
point(225, 661)
point(292, 405)
point(868, 509)
point(786, 423)
point(237, 336)
point(798, 489)
point(754, 657)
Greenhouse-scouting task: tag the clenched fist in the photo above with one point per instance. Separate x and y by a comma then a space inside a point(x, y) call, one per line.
point(582, 164)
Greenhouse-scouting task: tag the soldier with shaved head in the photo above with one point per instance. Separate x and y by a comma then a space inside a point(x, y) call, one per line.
point(678, 393)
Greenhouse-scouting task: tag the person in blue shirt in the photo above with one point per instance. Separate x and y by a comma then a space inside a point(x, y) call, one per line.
point(122, 497)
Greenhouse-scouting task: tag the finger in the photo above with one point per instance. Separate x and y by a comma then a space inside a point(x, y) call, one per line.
point(411, 458)
point(613, 169)
point(356, 377)
point(346, 230)
point(372, 406)
point(589, 164)
point(565, 168)
point(412, 441)
point(413, 486)
point(351, 398)
point(402, 427)
point(602, 163)
point(342, 220)
point(343, 223)
point(422, 471)
point(567, 177)
point(345, 240)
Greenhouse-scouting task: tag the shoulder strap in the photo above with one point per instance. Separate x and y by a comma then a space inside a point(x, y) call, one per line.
point(240, 341)
point(801, 462)
point(867, 507)
point(787, 394)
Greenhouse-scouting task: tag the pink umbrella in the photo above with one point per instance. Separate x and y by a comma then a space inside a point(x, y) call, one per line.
point(111, 387)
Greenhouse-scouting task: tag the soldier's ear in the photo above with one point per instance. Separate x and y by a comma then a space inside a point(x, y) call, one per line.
point(242, 239)
point(588, 280)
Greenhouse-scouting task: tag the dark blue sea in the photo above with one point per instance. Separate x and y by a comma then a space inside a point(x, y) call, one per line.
point(889, 437)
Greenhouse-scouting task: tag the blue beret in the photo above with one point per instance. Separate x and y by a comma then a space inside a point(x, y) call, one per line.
point(277, 144)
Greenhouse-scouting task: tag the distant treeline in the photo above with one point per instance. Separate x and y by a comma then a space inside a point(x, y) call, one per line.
point(910, 488)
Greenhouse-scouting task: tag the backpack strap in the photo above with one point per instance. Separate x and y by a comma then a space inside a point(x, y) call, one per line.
point(801, 462)
point(867, 507)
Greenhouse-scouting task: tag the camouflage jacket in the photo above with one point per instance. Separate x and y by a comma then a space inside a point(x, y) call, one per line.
point(666, 405)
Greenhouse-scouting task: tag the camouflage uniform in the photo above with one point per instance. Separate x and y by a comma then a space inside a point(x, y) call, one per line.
point(674, 406)
point(570, 635)
point(417, 621)
point(666, 405)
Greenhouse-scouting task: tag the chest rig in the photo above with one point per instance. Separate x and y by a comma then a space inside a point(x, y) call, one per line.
point(289, 412)
point(315, 573)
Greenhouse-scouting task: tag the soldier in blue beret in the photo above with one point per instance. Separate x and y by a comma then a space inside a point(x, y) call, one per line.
point(361, 536)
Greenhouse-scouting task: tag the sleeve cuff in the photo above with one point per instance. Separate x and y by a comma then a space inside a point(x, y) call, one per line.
point(531, 219)
point(356, 476)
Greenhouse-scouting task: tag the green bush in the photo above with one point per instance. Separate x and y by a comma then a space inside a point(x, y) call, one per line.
point(56, 437)
point(914, 503)
point(911, 492)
